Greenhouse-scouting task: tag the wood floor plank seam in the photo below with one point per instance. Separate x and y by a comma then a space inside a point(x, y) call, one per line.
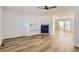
point(57, 42)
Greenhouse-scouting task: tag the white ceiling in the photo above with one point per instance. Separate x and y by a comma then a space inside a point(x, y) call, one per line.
point(60, 10)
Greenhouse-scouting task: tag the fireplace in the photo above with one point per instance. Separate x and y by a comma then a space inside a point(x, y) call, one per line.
point(44, 28)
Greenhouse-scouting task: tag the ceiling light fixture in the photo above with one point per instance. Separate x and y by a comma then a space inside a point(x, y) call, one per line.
point(46, 8)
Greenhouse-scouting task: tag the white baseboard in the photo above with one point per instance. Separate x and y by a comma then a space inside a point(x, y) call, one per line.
point(33, 34)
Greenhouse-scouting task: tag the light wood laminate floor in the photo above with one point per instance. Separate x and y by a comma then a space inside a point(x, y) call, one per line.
point(56, 42)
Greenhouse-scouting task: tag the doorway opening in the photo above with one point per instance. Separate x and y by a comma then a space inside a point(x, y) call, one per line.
point(63, 25)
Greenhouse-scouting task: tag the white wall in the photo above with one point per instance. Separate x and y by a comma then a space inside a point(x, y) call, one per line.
point(32, 19)
point(1, 38)
point(16, 23)
point(76, 26)
point(13, 24)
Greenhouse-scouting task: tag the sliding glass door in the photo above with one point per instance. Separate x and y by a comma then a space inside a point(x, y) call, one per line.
point(68, 26)
point(63, 25)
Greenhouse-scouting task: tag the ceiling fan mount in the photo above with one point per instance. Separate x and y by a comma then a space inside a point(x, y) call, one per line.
point(47, 7)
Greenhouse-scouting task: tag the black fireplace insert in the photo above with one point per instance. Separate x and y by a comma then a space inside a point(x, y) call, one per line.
point(44, 28)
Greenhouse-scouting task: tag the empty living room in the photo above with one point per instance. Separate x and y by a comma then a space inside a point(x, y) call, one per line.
point(39, 29)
